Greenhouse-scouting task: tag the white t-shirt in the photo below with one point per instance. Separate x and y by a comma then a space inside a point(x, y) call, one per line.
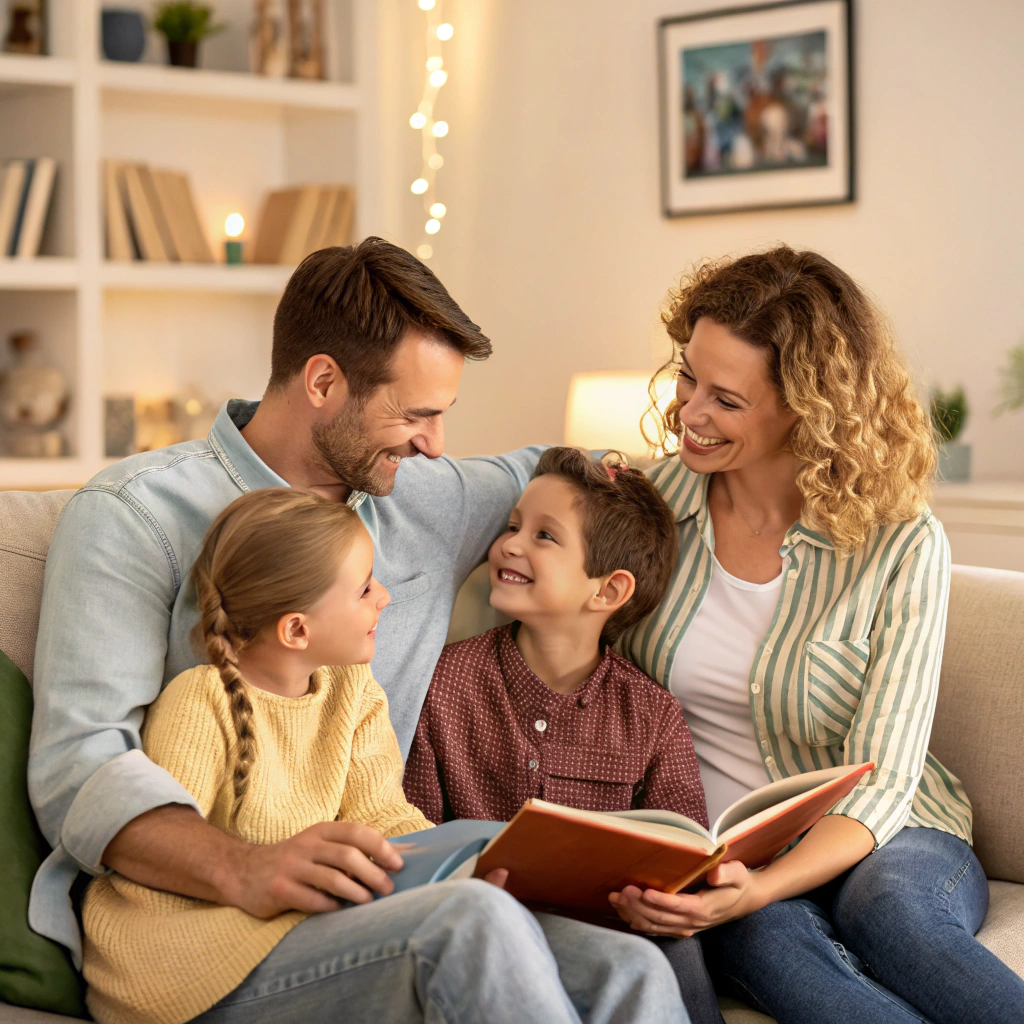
point(710, 677)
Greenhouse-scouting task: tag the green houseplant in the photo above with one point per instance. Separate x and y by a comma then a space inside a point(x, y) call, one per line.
point(949, 414)
point(1011, 390)
point(185, 24)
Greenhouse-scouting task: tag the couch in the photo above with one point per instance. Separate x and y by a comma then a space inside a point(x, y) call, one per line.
point(979, 720)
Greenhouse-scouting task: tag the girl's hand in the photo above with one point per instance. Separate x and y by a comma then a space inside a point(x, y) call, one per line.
point(734, 893)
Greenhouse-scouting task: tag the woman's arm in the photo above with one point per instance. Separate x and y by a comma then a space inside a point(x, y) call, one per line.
point(834, 845)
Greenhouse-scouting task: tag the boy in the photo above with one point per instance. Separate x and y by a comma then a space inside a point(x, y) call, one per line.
point(543, 707)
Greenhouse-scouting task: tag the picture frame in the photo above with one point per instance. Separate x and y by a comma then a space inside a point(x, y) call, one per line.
point(756, 108)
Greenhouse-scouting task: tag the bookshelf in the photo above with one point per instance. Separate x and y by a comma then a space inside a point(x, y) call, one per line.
point(159, 328)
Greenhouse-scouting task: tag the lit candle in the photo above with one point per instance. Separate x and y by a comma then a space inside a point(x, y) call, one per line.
point(233, 227)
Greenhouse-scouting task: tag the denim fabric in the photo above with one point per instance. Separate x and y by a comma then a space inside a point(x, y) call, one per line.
point(458, 953)
point(117, 611)
point(687, 960)
point(890, 941)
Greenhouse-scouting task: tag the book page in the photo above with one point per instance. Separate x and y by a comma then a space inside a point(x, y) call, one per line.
point(669, 818)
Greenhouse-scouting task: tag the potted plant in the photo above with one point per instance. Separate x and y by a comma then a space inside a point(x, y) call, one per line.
point(1012, 388)
point(185, 24)
point(949, 414)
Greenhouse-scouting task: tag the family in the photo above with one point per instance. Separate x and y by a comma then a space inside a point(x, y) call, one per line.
point(242, 689)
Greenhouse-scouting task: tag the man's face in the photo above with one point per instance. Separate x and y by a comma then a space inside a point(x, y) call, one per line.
point(364, 444)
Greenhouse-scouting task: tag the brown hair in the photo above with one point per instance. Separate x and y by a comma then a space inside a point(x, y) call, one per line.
point(355, 305)
point(866, 447)
point(270, 552)
point(626, 525)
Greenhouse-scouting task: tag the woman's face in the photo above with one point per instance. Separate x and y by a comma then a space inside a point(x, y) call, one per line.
point(730, 413)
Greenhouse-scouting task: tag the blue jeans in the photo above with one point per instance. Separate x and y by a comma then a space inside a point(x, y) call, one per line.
point(458, 953)
point(890, 941)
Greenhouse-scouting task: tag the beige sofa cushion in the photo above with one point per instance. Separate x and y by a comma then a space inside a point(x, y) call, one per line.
point(27, 522)
point(979, 718)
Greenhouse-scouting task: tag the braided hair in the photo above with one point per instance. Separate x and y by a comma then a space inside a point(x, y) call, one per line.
point(270, 552)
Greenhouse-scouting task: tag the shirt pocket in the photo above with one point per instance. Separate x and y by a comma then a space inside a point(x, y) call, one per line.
point(834, 673)
point(409, 589)
point(591, 779)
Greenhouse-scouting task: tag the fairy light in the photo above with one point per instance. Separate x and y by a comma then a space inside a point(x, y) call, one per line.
point(438, 31)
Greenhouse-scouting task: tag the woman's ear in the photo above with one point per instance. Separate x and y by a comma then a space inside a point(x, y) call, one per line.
point(616, 589)
point(293, 631)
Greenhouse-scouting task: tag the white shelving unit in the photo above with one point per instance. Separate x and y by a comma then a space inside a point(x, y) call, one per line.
point(152, 329)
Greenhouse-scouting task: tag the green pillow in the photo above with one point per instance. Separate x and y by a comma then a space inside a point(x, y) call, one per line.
point(33, 970)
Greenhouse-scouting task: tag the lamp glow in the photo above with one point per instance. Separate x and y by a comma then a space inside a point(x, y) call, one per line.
point(438, 210)
point(427, 5)
point(438, 78)
point(424, 251)
point(432, 226)
point(419, 186)
point(234, 225)
point(603, 410)
point(440, 129)
point(435, 161)
point(433, 63)
point(417, 120)
point(445, 32)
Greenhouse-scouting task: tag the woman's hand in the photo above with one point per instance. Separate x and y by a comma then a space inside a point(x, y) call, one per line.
point(734, 892)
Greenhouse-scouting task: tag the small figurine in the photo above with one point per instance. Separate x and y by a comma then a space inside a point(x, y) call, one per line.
point(33, 400)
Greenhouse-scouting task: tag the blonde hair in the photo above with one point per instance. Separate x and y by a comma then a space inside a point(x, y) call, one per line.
point(866, 447)
point(270, 552)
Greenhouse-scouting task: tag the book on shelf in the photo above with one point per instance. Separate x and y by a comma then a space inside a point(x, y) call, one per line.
point(151, 215)
point(25, 195)
point(297, 221)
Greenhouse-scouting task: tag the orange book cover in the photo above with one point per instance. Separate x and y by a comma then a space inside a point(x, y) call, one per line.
point(570, 859)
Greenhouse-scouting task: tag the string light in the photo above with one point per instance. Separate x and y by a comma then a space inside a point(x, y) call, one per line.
point(438, 31)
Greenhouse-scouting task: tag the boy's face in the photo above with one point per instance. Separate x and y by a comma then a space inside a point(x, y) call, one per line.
point(536, 565)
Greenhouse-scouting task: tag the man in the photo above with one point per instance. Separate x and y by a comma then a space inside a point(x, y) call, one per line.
point(367, 356)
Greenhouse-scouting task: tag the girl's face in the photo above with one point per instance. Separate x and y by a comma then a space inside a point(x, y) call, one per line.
point(343, 623)
point(731, 414)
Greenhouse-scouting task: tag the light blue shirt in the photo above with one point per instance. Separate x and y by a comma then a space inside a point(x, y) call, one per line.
point(115, 621)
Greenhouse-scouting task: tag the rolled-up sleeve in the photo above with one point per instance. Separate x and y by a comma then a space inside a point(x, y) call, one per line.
point(893, 722)
point(110, 585)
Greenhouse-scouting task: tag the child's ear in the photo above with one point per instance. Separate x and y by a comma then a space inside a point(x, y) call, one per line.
point(616, 589)
point(293, 631)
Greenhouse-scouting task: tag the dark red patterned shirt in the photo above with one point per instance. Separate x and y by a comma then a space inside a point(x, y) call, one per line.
point(492, 734)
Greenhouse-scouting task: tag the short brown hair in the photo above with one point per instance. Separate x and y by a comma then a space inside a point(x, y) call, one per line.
point(626, 525)
point(355, 305)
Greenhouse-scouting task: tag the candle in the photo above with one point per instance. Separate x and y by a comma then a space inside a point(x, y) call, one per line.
point(233, 227)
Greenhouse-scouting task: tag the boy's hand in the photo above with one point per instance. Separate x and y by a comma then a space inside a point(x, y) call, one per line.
point(314, 870)
point(498, 877)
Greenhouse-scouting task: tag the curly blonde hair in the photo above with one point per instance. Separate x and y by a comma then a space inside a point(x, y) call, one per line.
point(866, 447)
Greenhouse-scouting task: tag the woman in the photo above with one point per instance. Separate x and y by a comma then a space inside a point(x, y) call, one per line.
point(804, 629)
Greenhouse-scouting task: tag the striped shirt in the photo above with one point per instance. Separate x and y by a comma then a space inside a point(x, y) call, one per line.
point(849, 668)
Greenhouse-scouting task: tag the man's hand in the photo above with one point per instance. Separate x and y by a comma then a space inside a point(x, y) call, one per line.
point(314, 870)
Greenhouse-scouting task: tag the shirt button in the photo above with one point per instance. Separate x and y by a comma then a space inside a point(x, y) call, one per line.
point(540, 725)
point(695, 587)
point(764, 744)
point(755, 688)
point(533, 765)
point(768, 649)
point(793, 573)
point(769, 762)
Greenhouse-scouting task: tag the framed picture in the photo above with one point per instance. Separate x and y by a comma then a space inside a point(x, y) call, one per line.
point(757, 107)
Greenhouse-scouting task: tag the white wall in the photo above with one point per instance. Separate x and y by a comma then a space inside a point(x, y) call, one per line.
point(554, 240)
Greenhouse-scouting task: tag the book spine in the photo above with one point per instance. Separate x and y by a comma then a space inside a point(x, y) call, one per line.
point(10, 196)
point(12, 242)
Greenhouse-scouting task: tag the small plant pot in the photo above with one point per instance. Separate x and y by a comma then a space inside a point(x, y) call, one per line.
point(183, 55)
point(124, 34)
point(954, 463)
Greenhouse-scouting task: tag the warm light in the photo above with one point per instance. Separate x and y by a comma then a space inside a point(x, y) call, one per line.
point(438, 210)
point(433, 63)
point(438, 78)
point(193, 407)
point(427, 5)
point(435, 161)
point(418, 120)
point(234, 225)
point(419, 186)
point(603, 410)
point(445, 32)
point(432, 226)
point(440, 129)
point(424, 251)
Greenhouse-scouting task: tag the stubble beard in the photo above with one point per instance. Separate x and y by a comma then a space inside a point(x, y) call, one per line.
point(341, 447)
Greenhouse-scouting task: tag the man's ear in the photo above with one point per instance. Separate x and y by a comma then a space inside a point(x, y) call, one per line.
point(293, 631)
point(615, 590)
point(324, 382)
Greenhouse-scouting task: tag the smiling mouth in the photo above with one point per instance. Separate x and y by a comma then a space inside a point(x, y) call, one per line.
point(508, 576)
point(704, 442)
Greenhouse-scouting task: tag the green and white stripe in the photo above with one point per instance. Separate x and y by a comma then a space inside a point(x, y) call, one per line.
point(849, 668)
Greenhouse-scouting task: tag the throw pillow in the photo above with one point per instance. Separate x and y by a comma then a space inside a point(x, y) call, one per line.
point(33, 970)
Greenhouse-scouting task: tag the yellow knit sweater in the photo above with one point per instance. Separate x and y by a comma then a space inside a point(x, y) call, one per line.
point(161, 959)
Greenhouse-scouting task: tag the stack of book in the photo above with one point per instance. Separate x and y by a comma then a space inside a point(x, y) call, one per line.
point(298, 221)
point(24, 202)
point(150, 215)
